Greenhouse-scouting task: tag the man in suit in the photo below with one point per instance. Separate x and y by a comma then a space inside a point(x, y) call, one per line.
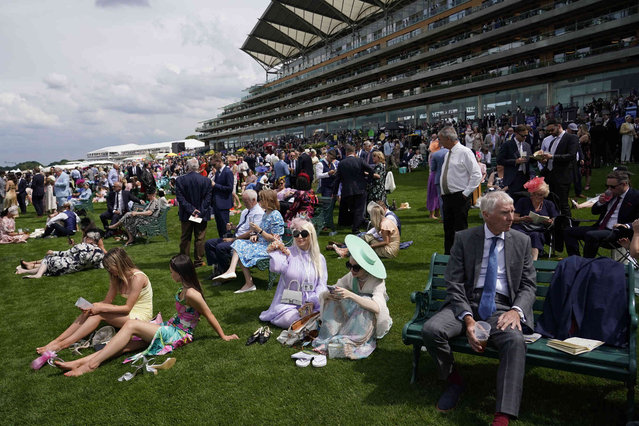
point(61, 187)
point(22, 192)
point(617, 209)
point(367, 153)
point(37, 196)
point(292, 168)
point(222, 195)
point(492, 140)
point(193, 193)
point(514, 156)
point(134, 171)
point(281, 169)
point(218, 250)
point(460, 176)
point(117, 206)
point(490, 277)
point(351, 173)
point(437, 163)
point(305, 164)
point(560, 151)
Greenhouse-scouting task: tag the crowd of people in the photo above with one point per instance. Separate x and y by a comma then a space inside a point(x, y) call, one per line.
point(518, 171)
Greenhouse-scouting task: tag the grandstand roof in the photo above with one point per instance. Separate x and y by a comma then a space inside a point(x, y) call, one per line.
point(289, 28)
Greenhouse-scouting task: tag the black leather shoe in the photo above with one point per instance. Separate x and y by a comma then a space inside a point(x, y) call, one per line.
point(255, 336)
point(264, 336)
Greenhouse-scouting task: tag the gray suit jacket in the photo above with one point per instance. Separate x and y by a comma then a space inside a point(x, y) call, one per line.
point(464, 267)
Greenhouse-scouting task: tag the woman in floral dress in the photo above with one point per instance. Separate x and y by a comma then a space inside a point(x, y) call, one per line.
point(249, 252)
point(131, 221)
point(377, 183)
point(8, 234)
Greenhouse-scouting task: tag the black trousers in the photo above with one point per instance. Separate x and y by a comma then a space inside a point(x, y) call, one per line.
point(351, 211)
point(221, 219)
point(455, 211)
point(38, 204)
point(57, 230)
point(22, 202)
point(561, 190)
point(592, 236)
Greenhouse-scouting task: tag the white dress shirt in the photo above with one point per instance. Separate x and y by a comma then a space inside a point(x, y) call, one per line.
point(463, 172)
point(615, 215)
point(247, 216)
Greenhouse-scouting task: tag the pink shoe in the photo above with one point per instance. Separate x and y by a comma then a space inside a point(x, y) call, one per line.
point(39, 362)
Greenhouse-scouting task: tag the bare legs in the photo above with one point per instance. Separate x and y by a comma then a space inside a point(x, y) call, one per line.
point(535, 253)
point(230, 273)
point(341, 251)
point(434, 214)
point(82, 327)
point(119, 344)
point(34, 269)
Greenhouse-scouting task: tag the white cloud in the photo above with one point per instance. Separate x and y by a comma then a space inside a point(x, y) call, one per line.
point(56, 81)
point(118, 3)
point(17, 110)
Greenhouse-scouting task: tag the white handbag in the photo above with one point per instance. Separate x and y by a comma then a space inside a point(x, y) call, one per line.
point(292, 297)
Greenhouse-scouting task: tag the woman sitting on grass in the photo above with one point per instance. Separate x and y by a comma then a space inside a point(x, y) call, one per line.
point(354, 313)
point(125, 279)
point(8, 234)
point(86, 255)
point(302, 269)
point(178, 331)
point(388, 246)
point(132, 220)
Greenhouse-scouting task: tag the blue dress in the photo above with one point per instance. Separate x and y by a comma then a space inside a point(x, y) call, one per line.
point(524, 207)
point(250, 253)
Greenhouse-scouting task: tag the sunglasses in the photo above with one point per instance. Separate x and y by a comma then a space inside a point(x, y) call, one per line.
point(355, 268)
point(612, 186)
point(304, 233)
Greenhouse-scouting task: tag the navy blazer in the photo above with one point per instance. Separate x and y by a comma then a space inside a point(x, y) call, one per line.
point(628, 212)
point(193, 191)
point(22, 186)
point(222, 197)
point(507, 157)
point(37, 184)
point(350, 173)
point(562, 161)
point(126, 197)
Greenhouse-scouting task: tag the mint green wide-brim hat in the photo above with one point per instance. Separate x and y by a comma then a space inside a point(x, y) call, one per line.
point(365, 256)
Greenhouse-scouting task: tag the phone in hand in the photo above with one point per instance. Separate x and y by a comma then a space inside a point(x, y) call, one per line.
point(331, 289)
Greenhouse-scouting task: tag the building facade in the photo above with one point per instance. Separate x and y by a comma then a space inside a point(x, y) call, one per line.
point(338, 65)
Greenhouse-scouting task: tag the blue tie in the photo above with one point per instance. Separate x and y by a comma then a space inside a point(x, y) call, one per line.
point(487, 302)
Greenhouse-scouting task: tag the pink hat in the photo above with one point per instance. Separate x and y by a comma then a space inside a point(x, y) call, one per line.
point(534, 184)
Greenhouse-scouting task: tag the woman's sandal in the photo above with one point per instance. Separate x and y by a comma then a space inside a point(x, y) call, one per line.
point(167, 364)
point(77, 346)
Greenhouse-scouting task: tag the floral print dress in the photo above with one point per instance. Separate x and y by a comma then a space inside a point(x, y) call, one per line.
point(250, 253)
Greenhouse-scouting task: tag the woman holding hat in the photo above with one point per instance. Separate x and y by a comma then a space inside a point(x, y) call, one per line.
point(354, 312)
point(384, 241)
point(537, 203)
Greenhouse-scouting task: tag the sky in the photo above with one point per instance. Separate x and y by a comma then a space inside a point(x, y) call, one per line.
point(79, 75)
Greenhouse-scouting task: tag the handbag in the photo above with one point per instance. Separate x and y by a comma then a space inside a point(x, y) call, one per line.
point(292, 297)
point(300, 330)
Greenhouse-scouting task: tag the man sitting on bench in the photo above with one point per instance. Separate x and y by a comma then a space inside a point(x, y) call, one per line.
point(501, 292)
point(617, 208)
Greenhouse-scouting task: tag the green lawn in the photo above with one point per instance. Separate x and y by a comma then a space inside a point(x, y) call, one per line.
point(218, 382)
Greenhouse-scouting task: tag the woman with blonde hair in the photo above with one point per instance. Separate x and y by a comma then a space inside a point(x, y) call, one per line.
point(388, 245)
point(248, 252)
point(628, 135)
point(11, 197)
point(584, 140)
point(302, 270)
point(126, 280)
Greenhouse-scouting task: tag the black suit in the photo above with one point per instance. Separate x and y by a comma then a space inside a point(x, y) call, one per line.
point(592, 236)
point(193, 192)
point(110, 213)
point(350, 173)
point(37, 196)
point(305, 164)
point(514, 178)
point(22, 195)
point(137, 173)
point(561, 175)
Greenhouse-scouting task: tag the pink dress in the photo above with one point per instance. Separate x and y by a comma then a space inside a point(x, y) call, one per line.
point(8, 225)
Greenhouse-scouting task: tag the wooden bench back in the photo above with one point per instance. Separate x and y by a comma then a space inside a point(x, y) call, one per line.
point(545, 271)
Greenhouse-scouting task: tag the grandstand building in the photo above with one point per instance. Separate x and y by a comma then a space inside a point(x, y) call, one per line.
point(357, 64)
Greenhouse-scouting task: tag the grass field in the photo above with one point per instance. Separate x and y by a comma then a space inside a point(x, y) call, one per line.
point(216, 382)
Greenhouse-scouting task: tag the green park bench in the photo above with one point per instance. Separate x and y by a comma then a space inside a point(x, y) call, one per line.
point(155, 227)
point(605, 361)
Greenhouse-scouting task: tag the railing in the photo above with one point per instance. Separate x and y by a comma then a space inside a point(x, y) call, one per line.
point(613, 16)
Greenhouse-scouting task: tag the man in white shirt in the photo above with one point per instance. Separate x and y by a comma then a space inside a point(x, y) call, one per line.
point(218, 250)
point(460, 176)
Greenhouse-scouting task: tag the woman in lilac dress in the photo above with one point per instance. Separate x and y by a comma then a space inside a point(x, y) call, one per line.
point(432, 199)
point(302, 272)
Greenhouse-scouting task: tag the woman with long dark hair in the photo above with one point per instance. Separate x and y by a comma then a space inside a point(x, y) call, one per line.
point(163, 338)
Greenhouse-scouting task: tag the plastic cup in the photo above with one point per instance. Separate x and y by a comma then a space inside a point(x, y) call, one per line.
point(482, 332)
point(82, 303)
point(608, 195)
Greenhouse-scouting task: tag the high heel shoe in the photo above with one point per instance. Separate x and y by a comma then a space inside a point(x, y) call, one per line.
point(264, 336)
point(255, 336)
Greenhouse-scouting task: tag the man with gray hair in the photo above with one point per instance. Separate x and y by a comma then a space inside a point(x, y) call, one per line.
point(61, 187)
point(218, 250)
point(490, 277)
point(459, 178)
point(193, 193)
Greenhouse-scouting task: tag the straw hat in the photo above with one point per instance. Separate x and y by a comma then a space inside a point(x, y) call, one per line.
point(365, 256)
